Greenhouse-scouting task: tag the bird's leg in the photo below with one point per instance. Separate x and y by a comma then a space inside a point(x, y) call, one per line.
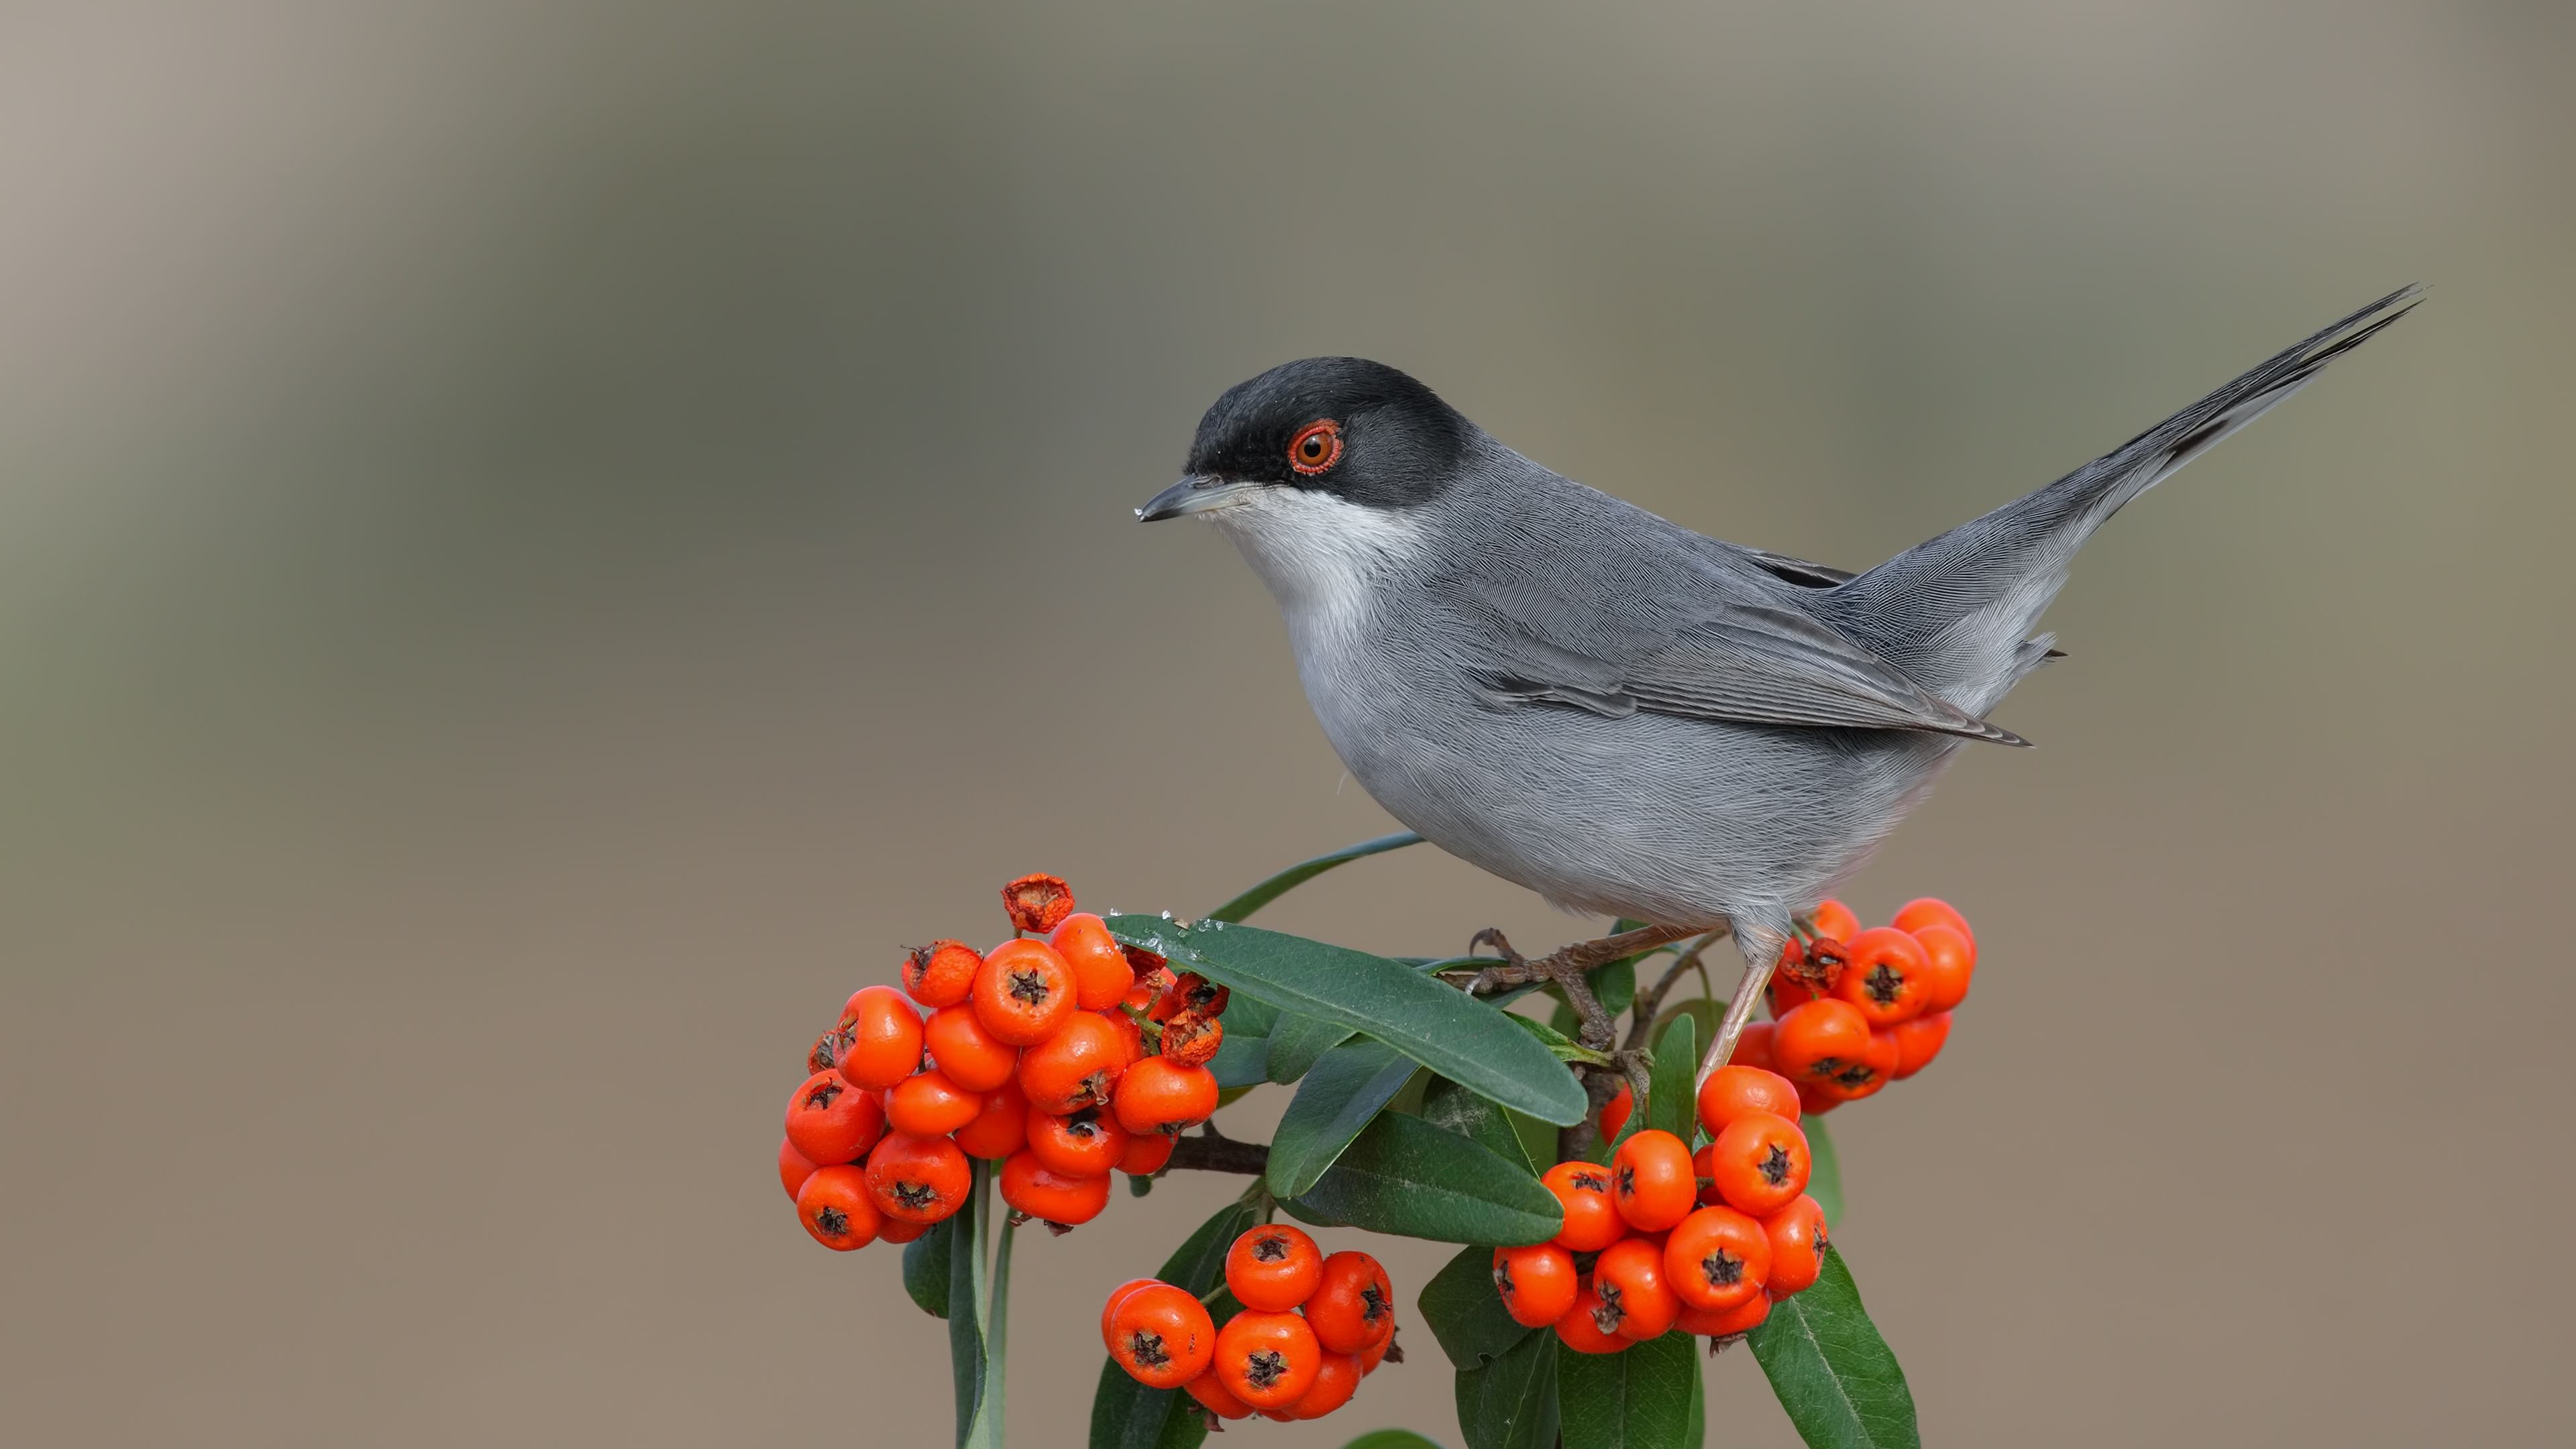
point(1758, 966)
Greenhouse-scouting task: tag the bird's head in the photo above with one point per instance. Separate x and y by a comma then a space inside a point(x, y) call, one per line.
point(1323, 433)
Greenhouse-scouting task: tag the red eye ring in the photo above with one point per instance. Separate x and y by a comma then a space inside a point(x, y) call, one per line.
point(1316, 447)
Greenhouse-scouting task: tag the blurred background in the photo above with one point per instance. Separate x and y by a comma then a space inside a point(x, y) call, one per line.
point(540, 542)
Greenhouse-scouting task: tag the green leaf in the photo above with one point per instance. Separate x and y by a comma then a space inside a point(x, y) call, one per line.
point(1391, 1439)
point(1242, 906)
point(1638, 1398)
point(1697, 1432)
point(966, 1300)
point(1298, 1042)
point(1833, 1374)
point(1510, 1403)
point(1241, 1061)
point(1338, 1097)
point(1124, 1413)
point(1446, 1104)
point(1699, 1009)
point(1466, 1314)
point(1602, 1151)
point(1435, 1024)
point(1560, 1046)
point(1407, 1177)
point(1824, 1170)
point(1670, 1108)
point(925, 1269)
point(1250, 1017)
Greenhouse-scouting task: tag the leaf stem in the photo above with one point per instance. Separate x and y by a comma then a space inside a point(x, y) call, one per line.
point(1213, 1151)
point(997, 1325)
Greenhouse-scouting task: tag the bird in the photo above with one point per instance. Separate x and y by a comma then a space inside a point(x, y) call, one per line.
point(1625, 716)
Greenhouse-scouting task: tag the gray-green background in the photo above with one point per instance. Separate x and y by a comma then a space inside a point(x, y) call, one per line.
point(539, 542)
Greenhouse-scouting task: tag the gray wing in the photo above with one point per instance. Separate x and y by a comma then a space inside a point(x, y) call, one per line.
point(1721, 654)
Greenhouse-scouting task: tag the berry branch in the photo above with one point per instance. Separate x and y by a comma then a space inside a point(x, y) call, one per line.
point(1212, 1151)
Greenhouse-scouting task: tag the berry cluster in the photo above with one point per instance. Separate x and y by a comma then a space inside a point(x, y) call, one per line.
point(1060, 1058)
point(1854, 1010)
point(1663, 1238)
point(1311, 1327)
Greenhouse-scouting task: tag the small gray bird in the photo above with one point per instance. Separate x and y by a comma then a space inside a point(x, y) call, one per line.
point(1622, 715)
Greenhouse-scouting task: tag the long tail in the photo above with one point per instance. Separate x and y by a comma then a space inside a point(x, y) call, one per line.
point(1954, 613)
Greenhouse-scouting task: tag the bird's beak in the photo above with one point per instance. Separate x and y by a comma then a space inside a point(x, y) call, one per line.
point(1194, 495)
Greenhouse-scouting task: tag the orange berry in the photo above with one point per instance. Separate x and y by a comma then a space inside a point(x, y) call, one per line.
point(1145, 1155)
point(1733, 1091)
point(1932, 910)
point(1725, 1322)
point(1109, 1310)
point(1101, 976)
point(1797, 1234)
point(1753, 1049)
point(1580, 1329)
point(1160, 1095)
point(1886, 977)
point(818, 1057)
point(917, 1179)
point(1370, 1359)
point(1273, 1268)
point(1216, 1398)
point(1190, 991)
point(829, 1121)
point(1001, 1125)
point(1815, 1099)
point(1614, 1113)
point(927, 1104)
point(1192, 1039)
point(1651, 1181)
point(1592, 1221)
point(1760, 1163)
point(1875, 1069)
point(972, 1057)
point(1536, 1283)
point(1085, 1144)
point(1953, 960)
point(1717, 1258)
point(941, 973)
point(1131, 1038)
point(793, 1169)
point(1077, 1067)
point(1161, 1336)
point(1815, 964)
point(1268, 1360)
point(884, 1036)
point(1337, 1377)
point(1820, 1040)
point(1785, 996)
point(834, 1206)
point(1042, 1192)
point(1038, 904)
point(1150, 985)
point(1835, 919)
point(1023, 993)
point(899, 1232)
point(1919, 1041)
point(1637, 1298)
point(1352, 1309)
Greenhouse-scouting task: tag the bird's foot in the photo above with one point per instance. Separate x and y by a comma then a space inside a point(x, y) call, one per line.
point(1570, 969)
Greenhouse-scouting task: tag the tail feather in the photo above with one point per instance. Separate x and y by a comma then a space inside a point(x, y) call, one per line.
point(1952, 613)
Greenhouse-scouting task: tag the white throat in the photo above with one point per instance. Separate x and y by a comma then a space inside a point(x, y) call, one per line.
point(1326, 559)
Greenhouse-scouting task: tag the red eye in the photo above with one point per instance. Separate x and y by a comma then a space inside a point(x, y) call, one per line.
point(1316, 447)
